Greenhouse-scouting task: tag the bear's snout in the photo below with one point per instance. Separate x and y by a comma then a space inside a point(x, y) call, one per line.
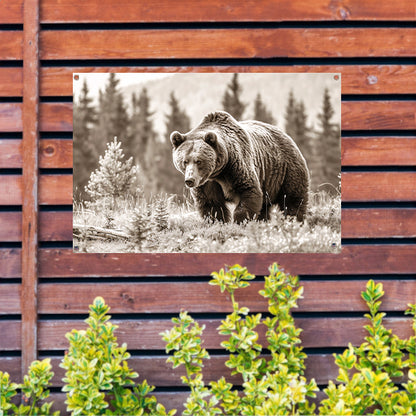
point(190, 183)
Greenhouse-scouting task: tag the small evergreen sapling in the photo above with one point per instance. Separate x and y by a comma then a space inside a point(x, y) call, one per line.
point(114, 178)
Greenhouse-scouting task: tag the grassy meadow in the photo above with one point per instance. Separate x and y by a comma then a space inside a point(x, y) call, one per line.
point(165, 226)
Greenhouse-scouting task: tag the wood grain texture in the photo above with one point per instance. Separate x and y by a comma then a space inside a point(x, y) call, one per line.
point(145, 334)
point(13, 340)
point(360, 259)
point(229, 43)
point(378, 186)
point(30, 182)
point(158, 372)
point(222, 11)
point(378, 223)
point(356, 186)
point(384, 115)
point(355, 151)
point(10, 299)
point(378, 151)
point(11, 11)
point(356, 223)
point(356, 79)
point(11, 117)
point(199, 297)
point(53, 153)
point(393, 115)
point(11, 79)
point(11, 45)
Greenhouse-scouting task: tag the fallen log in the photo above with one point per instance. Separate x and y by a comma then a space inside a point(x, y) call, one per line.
point(97, 233)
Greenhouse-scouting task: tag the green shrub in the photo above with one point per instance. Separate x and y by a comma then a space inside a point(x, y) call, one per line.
point(276, 386)
point(98, 380)
point(34, 389)
point(270, 387)
point(367, 373)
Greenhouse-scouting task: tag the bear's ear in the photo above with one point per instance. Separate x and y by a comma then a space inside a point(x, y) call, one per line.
point(176, 139)
point(210, 138)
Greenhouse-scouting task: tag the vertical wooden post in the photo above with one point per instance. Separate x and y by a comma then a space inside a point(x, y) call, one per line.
point(30, 181)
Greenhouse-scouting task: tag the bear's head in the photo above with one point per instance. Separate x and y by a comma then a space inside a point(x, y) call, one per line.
point(197, 155)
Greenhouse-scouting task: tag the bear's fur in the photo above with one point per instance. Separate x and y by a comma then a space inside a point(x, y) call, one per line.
point(248, 164)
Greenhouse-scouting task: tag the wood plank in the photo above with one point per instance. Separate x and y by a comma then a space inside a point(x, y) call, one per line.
point(356, 186)
point(359, 259)
point(200, 297)
point(10, 299)
point(378, 151)
point(53, 226)
point(11, 45)
point(53, 153)
point(383, 115)
point(13, 340)
point(144, 334)
point(355, 116)
point(53, 190)
point(356, 79)
point(10, 263)
point(356, 223)
point(11, 11)
point(30, 182)
point(355, 151)
point(378, 223)
point(378, 186)
point(104, 11)
point(11, 117)
point(11, 79)
point(229, 43)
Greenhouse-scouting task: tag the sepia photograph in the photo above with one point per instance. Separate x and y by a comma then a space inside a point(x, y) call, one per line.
point(207, 162)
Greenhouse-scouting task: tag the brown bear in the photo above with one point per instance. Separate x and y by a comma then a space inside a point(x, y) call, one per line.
point(249, 165)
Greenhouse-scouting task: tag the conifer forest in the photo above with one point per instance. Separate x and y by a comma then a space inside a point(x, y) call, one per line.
point(129, 197)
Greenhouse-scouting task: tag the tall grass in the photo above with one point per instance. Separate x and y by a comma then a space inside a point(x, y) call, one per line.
point(187, 232)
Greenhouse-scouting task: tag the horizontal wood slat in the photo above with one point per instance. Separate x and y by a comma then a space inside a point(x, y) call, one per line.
point(105, 11)
point(378, 151)
point(378, 186)
point(384, 115)
point(229, 43)
point(356, 79)
point(13, 340)
point(378, 223)
point(355, 151)
point(357, 259)
point(10, 299)
point(199, 297)
point(356, 223)
point(11, 45)
point(356, 186)
point(144, 334)
point(158, 372)
point(222, 11)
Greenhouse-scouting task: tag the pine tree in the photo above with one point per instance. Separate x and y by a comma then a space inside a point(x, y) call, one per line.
point(161, 214)
point(142, 130)
point(329, 142)
point(114, 178)
point(290, 115)
point(261, 113)
point(112, 117)
point(231, 100)
point(169, 179)
point(139, 228)
point(84, 151)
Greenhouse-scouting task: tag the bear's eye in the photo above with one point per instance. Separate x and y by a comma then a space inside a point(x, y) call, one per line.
point(198, 162)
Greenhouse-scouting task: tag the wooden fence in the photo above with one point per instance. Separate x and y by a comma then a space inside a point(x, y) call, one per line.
point(45, 288)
